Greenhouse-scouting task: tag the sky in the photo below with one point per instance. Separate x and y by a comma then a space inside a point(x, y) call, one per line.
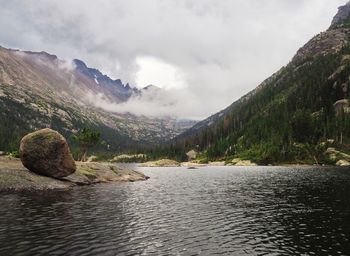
point(204, 54)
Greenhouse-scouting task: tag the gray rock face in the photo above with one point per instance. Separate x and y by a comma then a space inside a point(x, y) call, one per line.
point(47, 153)
point(324, 43)
point(343, 14)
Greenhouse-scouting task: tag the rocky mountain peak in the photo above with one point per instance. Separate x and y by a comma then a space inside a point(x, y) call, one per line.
point(330, 41)
point(99, 78)
point(82, 67)
point(342, 15)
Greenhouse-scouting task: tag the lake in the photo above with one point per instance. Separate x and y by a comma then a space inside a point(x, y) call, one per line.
point(206, 211)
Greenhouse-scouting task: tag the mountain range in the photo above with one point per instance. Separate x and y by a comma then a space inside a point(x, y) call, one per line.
point(40, 90)
point(293, 116)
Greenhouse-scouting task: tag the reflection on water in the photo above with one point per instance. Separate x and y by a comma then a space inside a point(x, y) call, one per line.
point(214, 210)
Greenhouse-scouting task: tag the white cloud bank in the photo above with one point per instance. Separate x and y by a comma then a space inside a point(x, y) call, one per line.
point(206, 53)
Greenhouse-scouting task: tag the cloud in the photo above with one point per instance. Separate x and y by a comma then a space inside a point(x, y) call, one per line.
point(157, 72)
point(221, 49)
point(66, 65)
point(153, 102)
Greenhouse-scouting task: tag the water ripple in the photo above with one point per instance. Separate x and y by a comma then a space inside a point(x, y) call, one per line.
point(209, 211)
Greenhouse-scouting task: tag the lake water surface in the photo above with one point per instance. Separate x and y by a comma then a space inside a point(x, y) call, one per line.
point(207, 211)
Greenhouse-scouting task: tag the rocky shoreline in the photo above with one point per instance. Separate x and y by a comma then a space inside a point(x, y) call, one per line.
point(14, 177)
point(173, 163)
point(236, 163)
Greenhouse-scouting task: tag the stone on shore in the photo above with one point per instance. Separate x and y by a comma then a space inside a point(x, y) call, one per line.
point(192, 164)
point(46, 152)
point(337, 157)
point(14, 177)
point(343, 163)
point(217, 163)
point(92, 173)
point(161, 163)
point(240, 162)
point(92, 159)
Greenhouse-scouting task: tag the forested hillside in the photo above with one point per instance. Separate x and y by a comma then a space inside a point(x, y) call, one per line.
point(292, 117)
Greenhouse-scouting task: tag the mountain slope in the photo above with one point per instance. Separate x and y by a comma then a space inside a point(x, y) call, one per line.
point(39, 90)
point(288, 116)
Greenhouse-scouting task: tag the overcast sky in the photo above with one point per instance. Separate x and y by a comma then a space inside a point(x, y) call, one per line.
point(207, 53)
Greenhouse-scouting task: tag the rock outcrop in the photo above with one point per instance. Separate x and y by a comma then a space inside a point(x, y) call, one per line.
point(92, 173)
point(343, 163)
point(338, 157)
point(46, 152)
point(342, 15)
point(240, 162)
point(192, 154)
point(14, 177)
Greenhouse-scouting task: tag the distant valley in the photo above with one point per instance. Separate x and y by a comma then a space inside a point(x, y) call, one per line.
point(298, 115)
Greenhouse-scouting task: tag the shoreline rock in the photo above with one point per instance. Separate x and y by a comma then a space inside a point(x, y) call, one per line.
point(192, 164)
point(343, 163)
point(14, 177)
point(46, 152)
point(92, 173)
point(338, 157)
point(161, 163)
point(240, 162)
point(217, 163)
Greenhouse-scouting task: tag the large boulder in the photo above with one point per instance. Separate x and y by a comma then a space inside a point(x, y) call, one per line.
point(192, 154)
point(46, 152)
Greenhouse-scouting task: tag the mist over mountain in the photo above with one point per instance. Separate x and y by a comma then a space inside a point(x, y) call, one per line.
point(68, 94)
point(218, 50)
point(39, 90)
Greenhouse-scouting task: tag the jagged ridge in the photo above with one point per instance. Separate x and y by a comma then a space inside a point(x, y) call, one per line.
point(38, 90)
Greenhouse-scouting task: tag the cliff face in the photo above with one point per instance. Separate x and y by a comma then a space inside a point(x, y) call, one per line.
point(342, 15)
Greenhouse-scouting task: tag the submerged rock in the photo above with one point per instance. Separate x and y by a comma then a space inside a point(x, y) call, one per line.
point(46, 152)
